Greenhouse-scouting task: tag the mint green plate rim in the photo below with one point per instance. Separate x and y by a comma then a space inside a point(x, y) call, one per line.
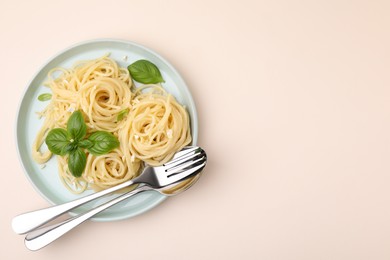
point(44, 180)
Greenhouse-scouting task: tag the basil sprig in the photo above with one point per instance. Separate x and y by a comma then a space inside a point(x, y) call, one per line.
point(145, 72)
point(72, 141)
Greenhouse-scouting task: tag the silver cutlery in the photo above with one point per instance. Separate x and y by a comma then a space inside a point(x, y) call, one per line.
point(185, 164)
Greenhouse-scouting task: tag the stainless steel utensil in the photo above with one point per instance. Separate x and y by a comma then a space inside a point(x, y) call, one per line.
point(40, 238)
point(184, 164)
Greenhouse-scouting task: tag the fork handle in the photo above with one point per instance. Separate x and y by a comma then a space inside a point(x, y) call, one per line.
point(44, 236)
point(29, 221)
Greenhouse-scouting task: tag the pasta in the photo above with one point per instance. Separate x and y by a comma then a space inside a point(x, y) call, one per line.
point(154, 130)
point(156, 125)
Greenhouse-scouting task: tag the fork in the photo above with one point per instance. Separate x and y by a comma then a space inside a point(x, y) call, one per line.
point(184, 164)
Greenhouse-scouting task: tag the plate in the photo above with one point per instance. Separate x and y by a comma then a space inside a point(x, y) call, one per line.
point(46, 180)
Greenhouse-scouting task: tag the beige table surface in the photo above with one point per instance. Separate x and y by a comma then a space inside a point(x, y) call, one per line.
point(294, 108)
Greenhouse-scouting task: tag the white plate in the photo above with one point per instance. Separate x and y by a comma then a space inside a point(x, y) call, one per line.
point(46, 180)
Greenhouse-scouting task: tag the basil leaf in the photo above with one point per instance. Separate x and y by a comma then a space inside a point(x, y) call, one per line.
point(56, 140)
point(145, 72)
point(76, 126)
point(103, 142)
point(76, 162)
point(85, 143)
point(44, 97)
point(122, 114)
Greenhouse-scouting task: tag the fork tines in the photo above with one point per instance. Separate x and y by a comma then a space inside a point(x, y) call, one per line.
point(189, 161)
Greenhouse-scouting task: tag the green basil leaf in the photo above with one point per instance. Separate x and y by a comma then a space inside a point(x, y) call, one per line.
point(44, 97)
point(85, 143)
point(122, 114)
point(76, 162)
point(145, 72)
point(103, 142)
point(56, 140)
point(76, 126)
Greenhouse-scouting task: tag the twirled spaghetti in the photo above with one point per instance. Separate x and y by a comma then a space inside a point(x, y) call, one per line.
point(156, 125)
